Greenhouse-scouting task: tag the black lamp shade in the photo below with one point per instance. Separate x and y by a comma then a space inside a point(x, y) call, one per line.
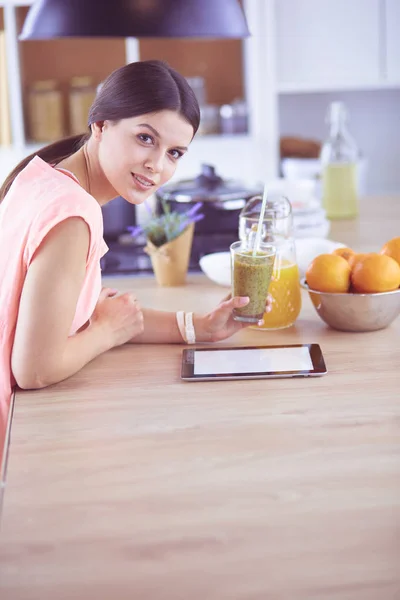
point(48, 19)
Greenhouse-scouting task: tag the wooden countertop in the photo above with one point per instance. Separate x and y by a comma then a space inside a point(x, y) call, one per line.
point(124, 482)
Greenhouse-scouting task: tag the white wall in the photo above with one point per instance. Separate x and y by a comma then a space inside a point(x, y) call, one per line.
point(374, 123)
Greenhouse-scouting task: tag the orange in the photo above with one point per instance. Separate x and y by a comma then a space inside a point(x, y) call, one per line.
point(392, 249)
point(329, 273)
point(376, 273)
point(346, 253)
point(356, 258)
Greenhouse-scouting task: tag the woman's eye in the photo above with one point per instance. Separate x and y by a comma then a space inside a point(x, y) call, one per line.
point(176, 154)
point(145, 138)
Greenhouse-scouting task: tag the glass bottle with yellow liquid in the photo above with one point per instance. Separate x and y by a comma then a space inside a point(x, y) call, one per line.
point(284, 287)
point(339, 157)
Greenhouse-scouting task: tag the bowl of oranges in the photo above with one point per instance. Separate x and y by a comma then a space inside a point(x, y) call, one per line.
point(356, 291)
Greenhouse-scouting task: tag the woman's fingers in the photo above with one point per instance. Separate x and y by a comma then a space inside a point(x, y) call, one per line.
point(107, 292)
point(228, 298)
point(236, 302)
point(239, 301)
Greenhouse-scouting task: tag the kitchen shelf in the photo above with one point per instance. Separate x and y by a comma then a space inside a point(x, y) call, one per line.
point(218, 62)
point(61, 60)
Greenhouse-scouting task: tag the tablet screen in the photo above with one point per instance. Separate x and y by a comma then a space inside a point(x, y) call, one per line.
point(252, 362)
point(257, 360)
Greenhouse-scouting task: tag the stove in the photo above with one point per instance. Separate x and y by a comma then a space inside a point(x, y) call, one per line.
point(126, 256)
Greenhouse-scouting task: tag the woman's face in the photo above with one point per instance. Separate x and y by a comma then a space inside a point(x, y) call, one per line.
point(140, 154)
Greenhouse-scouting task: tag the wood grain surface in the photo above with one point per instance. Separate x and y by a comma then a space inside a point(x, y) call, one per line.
point(124, 482)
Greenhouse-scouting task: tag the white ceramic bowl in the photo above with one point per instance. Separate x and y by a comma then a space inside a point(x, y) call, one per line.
point(217, 267)
point(308, 248)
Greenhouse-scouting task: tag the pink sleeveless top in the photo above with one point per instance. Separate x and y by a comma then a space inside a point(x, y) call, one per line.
point(40, 198)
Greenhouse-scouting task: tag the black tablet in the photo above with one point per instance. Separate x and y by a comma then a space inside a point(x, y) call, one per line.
point(252, 362)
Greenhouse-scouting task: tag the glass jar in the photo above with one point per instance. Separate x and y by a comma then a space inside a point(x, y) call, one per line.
point(209, 120)
point(81, 96)
point(277, 229)
point(198, 86)
point(234, 117)
point(45, 110)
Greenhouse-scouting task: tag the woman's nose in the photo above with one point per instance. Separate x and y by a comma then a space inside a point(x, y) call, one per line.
point(154, 163)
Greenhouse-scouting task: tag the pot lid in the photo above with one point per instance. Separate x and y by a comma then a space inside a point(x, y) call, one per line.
point(206, 187)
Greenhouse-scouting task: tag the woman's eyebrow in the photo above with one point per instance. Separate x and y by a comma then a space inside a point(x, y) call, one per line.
point(151, 128)
point(185, 148)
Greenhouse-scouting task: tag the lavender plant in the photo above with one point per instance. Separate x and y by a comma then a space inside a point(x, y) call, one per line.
point(167, 226)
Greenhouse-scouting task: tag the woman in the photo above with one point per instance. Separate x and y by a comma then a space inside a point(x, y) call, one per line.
point(54, 318)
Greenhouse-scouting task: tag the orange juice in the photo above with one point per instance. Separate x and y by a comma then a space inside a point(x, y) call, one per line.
point(286, 296)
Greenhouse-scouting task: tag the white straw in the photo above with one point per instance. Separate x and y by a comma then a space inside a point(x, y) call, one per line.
point(260, 222)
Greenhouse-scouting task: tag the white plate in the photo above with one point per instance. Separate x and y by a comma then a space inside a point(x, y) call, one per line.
point(308, 248)
point(217, 267)
point(312, 230)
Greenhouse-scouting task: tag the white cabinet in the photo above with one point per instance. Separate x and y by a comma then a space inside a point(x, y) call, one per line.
point(328, 43)
point(392, 27)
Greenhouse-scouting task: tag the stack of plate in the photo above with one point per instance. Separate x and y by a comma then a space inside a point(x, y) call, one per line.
point(309, 219)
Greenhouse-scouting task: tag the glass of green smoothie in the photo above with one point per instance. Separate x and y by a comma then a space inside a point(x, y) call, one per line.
point(251, 275)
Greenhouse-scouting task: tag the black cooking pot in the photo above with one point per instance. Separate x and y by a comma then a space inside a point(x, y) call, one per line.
point(222, 200)
point(118, 215)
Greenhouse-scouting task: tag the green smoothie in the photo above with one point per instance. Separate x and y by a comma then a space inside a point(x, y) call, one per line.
point(251, 276)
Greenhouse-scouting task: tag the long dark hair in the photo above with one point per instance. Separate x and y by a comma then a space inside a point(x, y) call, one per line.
point(132, 90)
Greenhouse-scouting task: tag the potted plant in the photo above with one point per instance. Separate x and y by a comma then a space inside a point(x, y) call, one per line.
point(169, 237)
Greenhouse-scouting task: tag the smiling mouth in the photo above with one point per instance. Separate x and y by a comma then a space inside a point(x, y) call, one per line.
point(143, 181)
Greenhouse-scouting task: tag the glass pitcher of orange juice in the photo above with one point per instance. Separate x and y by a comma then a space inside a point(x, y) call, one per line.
point(277, 229)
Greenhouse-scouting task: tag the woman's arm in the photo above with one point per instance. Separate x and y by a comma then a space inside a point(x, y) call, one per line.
point(162, 328)
point(42, 352)
point(159, 327)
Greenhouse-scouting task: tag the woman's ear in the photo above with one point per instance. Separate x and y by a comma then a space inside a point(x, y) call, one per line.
point(97, 129)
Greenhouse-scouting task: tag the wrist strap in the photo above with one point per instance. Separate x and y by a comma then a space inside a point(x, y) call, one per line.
point(186, 327)
point(180, 320)
point(189, 329)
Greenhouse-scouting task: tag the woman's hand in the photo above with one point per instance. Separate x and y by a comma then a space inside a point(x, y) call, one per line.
point(120, 317)
point(220, 324)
